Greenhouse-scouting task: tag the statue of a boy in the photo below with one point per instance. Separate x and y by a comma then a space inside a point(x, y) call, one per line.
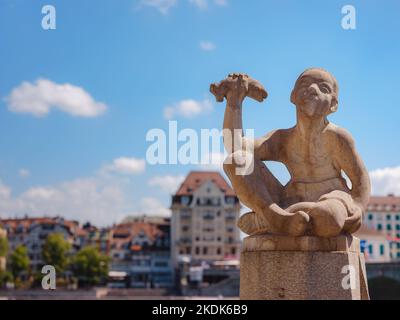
point(316, 200)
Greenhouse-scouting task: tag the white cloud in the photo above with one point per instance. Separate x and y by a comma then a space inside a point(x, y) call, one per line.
point(201, 4)
point(103, 199)
point(221, 3)
point(126, 165)
point(100, 201)
point(207, 46)
point(188, 108)
point(212, 161)
point(153, 207)
point(385, 181)
point(163, 6)
point(40, 97)
point(167, 183)
point(24, 173)
point(5, 191)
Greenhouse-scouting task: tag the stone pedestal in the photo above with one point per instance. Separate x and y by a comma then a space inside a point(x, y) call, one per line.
point(302, 268)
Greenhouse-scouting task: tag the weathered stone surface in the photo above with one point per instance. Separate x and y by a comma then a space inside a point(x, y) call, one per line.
point(267, 242)
point(300, 239)
point(316, 201)
point(301, 268)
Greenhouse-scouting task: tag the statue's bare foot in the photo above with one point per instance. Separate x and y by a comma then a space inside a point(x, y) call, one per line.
point(252, 223)
point(294, 224)
point(297, 224)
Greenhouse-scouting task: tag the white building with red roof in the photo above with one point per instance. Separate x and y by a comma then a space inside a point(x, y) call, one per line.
point(374, 244)
point(383, 215)
point(204, 214)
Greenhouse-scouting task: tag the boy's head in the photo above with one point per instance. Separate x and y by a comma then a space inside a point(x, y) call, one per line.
point(315, 92)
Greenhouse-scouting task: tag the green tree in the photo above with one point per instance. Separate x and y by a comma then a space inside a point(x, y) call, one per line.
point(55, 252)
point(3, 246)
point(19, 261)
point(90, 266)
point(5, 277)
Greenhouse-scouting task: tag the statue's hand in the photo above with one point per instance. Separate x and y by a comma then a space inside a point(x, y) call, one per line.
point(236, 87)
point(354, 220)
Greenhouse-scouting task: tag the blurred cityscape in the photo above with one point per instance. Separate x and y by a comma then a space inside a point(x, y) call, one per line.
point(194, 253)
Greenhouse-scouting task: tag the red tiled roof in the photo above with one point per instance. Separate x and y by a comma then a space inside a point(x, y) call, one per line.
point(196, 178)
point(384, 203)
point(384, 200)
point(27, 222)
point(132, 229)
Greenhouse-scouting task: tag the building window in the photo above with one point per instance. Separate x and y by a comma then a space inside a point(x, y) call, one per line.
point(382, 249)
point(379, 226)
point(397, 226)
point(388, 227)
point(233, 251)
point(161, 264)
point(370, 216)
point(205, 251)
point(397, 217)
point(218, 250)
point(187, 250)
point(197, 250)
point(208, 216)
point(370, 248)
point(388, 216)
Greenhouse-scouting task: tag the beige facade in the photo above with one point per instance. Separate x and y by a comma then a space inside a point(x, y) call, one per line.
point(374, 244)
point(383, 215)
point(204, 214)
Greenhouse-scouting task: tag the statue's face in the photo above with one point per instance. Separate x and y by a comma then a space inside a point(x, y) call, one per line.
point(314, 93)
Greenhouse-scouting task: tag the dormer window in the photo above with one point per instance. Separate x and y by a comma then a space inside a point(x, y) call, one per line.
point(230, 200)
point(185, 200)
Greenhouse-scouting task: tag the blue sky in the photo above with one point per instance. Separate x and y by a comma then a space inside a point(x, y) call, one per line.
point(139, 57)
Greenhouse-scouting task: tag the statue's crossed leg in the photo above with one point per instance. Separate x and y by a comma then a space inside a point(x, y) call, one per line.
point(261, 192)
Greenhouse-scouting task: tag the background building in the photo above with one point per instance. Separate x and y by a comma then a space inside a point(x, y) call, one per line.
point(204, 214)
point(374, 244)
point(383, 214)
point(141, 253)
point(33, 232)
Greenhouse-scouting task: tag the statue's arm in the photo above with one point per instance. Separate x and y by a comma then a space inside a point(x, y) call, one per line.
point(234, 89)
point(264, 148)
point(352, 164)
point(233, 125)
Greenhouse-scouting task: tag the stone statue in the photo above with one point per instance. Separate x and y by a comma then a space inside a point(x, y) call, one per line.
point(316, 201)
